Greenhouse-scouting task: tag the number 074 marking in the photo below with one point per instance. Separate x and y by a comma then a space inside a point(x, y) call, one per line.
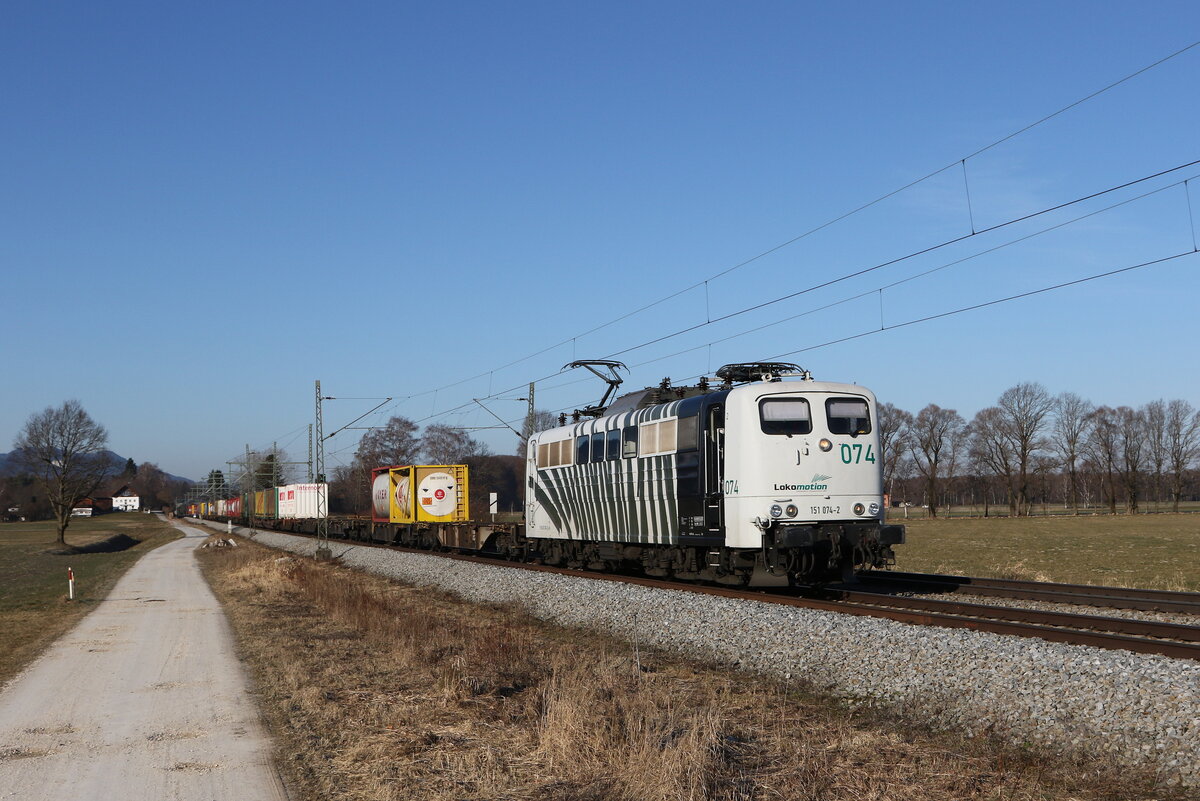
point(857, 453)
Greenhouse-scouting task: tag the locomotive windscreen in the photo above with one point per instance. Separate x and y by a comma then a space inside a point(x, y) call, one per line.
point(848, 416)
point(785, 416)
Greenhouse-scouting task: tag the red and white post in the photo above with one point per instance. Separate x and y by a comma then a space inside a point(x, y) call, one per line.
point(70, 584)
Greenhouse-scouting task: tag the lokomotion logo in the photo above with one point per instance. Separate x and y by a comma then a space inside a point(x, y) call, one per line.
point(817, 485)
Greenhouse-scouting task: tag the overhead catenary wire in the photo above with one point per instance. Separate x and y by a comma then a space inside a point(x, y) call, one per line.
point(941, 315)
point(890, 262)
point(822, 226)
point(923, 251)
point(854, 274)
point(995, 302)
point(863, 271)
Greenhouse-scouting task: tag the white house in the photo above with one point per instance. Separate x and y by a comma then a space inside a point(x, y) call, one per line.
point(125, 501)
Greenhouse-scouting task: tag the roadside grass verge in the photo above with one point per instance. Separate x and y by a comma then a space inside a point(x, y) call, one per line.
point(34, 610)
point(1160, 552)
point(377, 691)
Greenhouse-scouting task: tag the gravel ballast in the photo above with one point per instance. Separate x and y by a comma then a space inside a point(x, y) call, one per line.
point(1137, 710)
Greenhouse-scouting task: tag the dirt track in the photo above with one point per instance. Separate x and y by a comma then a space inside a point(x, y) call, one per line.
point(144, 699)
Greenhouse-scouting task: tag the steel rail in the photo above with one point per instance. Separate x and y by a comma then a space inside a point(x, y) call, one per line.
point(1116, 625)
point(1078, 594)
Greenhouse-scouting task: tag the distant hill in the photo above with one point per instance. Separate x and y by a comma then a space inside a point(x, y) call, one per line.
point(8, 465)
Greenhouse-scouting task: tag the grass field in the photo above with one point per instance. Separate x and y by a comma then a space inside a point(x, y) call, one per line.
point(375, 691)
point(900, 514)
point(34, 609)
point(1153, 551)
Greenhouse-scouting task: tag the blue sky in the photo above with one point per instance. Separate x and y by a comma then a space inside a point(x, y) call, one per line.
point(206, 207)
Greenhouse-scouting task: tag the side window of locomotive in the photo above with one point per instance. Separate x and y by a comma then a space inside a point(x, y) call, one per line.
point(688, 436)
point(785, 416)
point(581, 449)
point(554, 454)
point(598, 446)
point(848, 416)
point(647, 439)
point(666, 436)
point(630, 438)
point(614, 444)
point(657, 438)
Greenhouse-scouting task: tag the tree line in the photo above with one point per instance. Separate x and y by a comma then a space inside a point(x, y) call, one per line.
point(1033, 447)
point(401, 442)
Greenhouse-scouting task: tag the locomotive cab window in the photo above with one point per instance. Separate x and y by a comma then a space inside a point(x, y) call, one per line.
point(848, 416)
point(785, 416)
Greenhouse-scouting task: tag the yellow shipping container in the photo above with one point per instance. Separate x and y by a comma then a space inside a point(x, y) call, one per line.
point(428, 494)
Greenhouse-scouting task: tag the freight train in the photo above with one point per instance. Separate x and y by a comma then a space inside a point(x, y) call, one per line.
point(769, 478)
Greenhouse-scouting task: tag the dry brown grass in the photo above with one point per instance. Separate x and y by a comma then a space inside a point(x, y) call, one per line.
point(379, 691)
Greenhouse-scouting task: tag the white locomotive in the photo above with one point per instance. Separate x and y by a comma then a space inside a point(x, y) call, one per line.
point(768, 479)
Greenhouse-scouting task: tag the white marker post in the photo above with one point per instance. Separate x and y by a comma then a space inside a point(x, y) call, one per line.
point(70, 584)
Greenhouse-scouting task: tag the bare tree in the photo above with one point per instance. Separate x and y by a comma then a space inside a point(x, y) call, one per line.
point(155, 488)
point(1182, 435)
point(1131, 444)
point(1101, 446)
point(64, 449)
point(444, 444)
point(266, 469)
point(1154, 418)
point(955, 459)
point(1026, 410)
point(992, 450)
point(540, 420)
point(895, 429)
point(1070, 428)
point(395, 443)
point(934, 434)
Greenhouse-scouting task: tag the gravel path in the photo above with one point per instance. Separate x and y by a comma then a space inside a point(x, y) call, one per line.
point(1137, 710)
point(143, 701)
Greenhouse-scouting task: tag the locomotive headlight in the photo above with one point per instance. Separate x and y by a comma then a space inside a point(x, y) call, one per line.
point(825, 445)
point(792, 510)
point(776, 510)
point(873, 509)
point(859, 508)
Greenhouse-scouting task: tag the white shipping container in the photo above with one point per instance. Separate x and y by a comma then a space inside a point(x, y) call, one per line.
point(299, 501)
point(220, 508)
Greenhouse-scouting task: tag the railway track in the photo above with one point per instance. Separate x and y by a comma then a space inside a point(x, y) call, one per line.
point(1079, 594)
point(1140, 636)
